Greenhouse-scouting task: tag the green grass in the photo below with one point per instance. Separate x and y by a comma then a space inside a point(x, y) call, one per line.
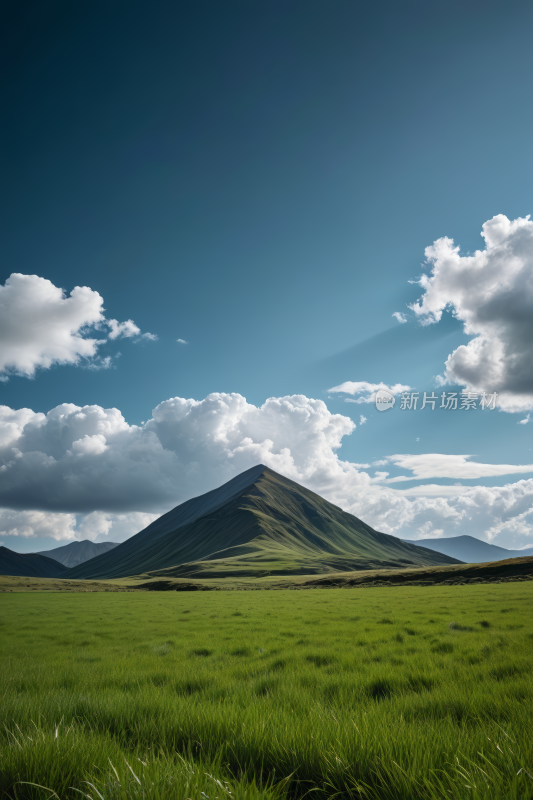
point(384, 693)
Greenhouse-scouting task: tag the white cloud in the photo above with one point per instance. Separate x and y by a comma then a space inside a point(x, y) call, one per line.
point(505, 512)
point(524, 421)
point(500, 510)
point(12, 423)
point(431, 490)
point(439, 465)
point(128, 330)
point(123, 329)
point(95, 525)
point(362, 419)
point(90, 445)
point(491, 292)
point(400, 317)
point(427, 531)
point(64, 527)
point(367, 391)
point(41, 326)
point(100, 363)
point(29, 524)
point(85, 473)
point(84, 459)
point(181, 341)
point(101, 527)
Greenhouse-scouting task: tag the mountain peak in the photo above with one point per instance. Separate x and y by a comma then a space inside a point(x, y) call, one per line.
point(259, 522)
point(70, 555)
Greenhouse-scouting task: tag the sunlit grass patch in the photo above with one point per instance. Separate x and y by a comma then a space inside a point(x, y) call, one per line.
point(362, 709)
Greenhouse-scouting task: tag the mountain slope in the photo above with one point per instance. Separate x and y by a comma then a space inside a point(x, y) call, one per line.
point(29, 565)
point(469, 549)
point(258, 523)
point(70, 555)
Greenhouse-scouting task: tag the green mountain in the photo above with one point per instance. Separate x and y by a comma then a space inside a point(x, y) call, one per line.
point(70, 555)
point(30, 565)
point(259, 523)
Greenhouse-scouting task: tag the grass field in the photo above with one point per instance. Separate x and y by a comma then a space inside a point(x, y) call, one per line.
point(395, 693)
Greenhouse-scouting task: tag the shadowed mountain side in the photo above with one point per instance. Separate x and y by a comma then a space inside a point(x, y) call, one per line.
point(70, 555)
point(272, 525)
point(292, 531)
point(30, 565)
point(136, 550)
point(469, 549)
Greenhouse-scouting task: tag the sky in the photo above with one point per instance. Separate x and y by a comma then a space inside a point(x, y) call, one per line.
point(226, 226)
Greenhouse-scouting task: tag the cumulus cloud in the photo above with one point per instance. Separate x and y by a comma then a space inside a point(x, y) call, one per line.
point(84, 472)
point(41, 326)
point(362, 419)
point(84, 459)
point(181, 341)
point(400, 317)
point(367, 391)
point(427, 531)
point(29, 524)
point(524, 421)
point(13, 422)
point(124, 329)
point(99, 526)
point(96, 526)
point(491, 292)
point(503, 512)
point(127, 330)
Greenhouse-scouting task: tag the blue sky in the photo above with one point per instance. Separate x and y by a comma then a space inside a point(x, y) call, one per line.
point(261, 181)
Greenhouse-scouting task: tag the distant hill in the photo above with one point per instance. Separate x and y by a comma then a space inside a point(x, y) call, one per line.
point(70, 555)
point(29, 565)
point(259, 523)
point(469, 549)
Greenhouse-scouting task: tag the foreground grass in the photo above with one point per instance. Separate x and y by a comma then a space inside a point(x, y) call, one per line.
point(383, 693)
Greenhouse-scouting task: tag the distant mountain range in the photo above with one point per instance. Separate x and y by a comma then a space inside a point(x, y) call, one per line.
point(70, 555)
point(259, 523)
point(30, 565)
point(469, 549)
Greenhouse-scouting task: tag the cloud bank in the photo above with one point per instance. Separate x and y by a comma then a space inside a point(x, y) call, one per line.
point(96, 526)
point(83, 472)
point(40, 326)
point(81, 459)
point(491, 292)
